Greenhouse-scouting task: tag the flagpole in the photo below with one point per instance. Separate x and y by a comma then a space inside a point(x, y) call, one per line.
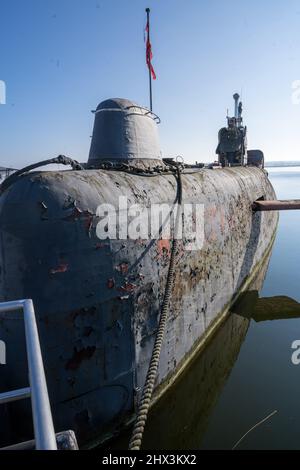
point(149, 58)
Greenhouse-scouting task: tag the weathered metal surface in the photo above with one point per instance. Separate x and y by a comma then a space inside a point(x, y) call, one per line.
point(276, 205)
point(97, 301)
point(180, 418)
point(123, 130)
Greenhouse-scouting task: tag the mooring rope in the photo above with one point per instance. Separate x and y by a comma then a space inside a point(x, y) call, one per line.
point(61, 160)
point(141, 418)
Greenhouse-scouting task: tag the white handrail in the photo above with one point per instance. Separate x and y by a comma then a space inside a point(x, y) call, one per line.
point(15, 395)
point(42, 417)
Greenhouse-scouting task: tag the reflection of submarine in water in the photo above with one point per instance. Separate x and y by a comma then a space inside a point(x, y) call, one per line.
point(98, 302)
point(279, 307)
point(179, 420)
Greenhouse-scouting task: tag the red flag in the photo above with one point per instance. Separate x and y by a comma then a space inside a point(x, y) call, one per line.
point(149, 54)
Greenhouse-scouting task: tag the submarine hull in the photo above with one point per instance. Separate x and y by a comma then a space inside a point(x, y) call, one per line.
point(97, 301)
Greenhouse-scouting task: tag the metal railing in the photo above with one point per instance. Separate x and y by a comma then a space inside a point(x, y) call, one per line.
point(42, 418)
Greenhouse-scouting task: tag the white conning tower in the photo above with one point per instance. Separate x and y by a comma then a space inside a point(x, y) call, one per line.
point(122, 131)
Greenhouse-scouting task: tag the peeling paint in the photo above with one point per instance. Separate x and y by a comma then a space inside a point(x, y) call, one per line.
point(128, 287)
point(61, 268)
point(122, 268)
point(163, 247)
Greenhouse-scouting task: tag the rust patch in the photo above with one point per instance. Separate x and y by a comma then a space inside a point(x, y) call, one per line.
point(75, 215)
point(212, 236)
point(211, 212)
point(100, 245)
point(163, 247)
point(44, 209)
point(122, 268)
point(88, 221)
point(128, 287)
point(79, 356)
point(61, 268)
point(86, 215)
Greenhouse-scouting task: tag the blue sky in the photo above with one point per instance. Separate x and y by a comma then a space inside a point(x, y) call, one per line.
point(60, 58)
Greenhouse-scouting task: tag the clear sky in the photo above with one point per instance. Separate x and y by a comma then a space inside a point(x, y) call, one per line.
point(60, 58)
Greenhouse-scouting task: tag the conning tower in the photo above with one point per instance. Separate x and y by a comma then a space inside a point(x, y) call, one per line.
point(124, 131)
point(232, 140)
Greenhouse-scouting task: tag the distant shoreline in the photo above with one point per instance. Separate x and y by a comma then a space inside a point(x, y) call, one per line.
point(282, 164)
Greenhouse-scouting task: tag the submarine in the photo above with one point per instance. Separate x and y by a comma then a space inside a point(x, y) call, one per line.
point(111, 293)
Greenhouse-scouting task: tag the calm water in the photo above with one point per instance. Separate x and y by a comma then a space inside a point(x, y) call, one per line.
point(246, 372)
point(263, 378)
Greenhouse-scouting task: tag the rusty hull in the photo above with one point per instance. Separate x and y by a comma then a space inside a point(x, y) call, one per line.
point(98, 301)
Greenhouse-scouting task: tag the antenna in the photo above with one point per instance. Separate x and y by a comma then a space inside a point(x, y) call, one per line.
point(236, 98)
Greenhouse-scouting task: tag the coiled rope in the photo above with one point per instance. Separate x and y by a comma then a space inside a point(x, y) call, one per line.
point(141, 418)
